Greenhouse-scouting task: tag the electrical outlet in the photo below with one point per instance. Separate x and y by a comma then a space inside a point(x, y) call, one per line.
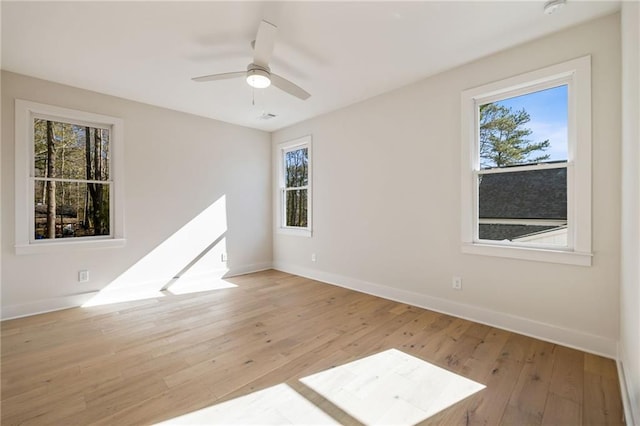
point(456, 283)
point(313, 257)
point(83, 276)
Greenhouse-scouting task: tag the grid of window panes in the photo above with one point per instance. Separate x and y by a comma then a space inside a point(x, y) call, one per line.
point(522, 174)
point(71, 180)
point(296, 187)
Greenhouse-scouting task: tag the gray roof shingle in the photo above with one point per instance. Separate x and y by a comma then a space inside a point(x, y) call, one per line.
point(533, 194)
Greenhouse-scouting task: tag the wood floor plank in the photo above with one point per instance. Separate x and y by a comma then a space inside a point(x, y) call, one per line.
point(142, 362)
point(561, 411)
point(600, 405)
point(567, 379)
point(528, 399)
point(500, 382)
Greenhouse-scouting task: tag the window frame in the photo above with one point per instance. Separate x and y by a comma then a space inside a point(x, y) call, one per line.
point(282, 150)
point(25, 243)
point(576, 74)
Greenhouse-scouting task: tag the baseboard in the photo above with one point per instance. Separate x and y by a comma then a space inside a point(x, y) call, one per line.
point(45, 305)
point(631, 410)
point(248, 269)
point(42, 306)
point(564, 336)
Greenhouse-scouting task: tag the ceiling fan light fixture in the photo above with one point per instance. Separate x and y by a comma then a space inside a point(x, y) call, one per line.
point(258, 79)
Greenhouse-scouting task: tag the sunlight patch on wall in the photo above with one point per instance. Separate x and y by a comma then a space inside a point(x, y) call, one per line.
point(123, 295)
point(196, 247)
point(391, 387)
point(194, 283)
point(277, 405)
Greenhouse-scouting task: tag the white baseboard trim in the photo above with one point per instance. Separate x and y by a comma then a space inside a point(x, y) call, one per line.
point(631, 410)
point(564, 336)
point(72, 301)
point(45, 305)
point(248, 269)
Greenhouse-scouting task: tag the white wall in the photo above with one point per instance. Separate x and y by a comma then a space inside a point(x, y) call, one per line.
point(386, 204)
point(630, 276)
point(176, 165)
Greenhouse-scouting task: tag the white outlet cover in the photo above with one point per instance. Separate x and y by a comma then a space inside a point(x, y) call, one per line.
point(457, 283)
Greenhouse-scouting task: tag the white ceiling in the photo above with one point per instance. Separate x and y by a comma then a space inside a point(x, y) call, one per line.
point(340, 52)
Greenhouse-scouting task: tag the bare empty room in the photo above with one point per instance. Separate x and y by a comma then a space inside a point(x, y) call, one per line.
point(319, 212)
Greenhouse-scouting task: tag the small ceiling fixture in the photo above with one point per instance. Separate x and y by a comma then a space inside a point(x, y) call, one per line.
point(267, 116)
point(553, 5)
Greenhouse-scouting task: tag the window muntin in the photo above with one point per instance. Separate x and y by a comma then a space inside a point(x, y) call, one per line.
point(71, 165)
point(576, 75)
point(295, 186)
point(72, 227)
point(522, 178)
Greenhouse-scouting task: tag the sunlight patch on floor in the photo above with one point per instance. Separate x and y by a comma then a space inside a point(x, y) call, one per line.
point(277, 405)
point(388, 388)
point(391, 387)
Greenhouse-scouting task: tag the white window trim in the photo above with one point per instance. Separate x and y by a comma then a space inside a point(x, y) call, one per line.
point(577, 75)
point(281, 149)
point(25, 111)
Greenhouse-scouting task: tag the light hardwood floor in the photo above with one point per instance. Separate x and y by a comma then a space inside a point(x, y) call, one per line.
point(149, 361)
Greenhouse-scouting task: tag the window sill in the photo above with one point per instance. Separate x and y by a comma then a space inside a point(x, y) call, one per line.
point(529, 253)
point(295, 232)
point(65, 246)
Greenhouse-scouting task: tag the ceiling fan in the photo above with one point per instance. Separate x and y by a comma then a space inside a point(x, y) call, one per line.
point(258, 73)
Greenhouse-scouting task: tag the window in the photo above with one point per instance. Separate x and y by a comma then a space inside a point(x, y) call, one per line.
point(68, 179)
point(526, 144)
point(295, 186)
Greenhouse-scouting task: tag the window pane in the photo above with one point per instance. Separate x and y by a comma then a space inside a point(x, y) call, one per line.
point(61, 151)
point(527, 206)
point(296, 168)
point(296, 208)
point(525, 129)
point(80, 210)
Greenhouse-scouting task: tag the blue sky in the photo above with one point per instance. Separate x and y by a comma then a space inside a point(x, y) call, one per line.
point(548, 112)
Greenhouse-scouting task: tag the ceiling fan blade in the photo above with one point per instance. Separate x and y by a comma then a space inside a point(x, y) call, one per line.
point(223, 76)
point(287, 86)
point(265, 41)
